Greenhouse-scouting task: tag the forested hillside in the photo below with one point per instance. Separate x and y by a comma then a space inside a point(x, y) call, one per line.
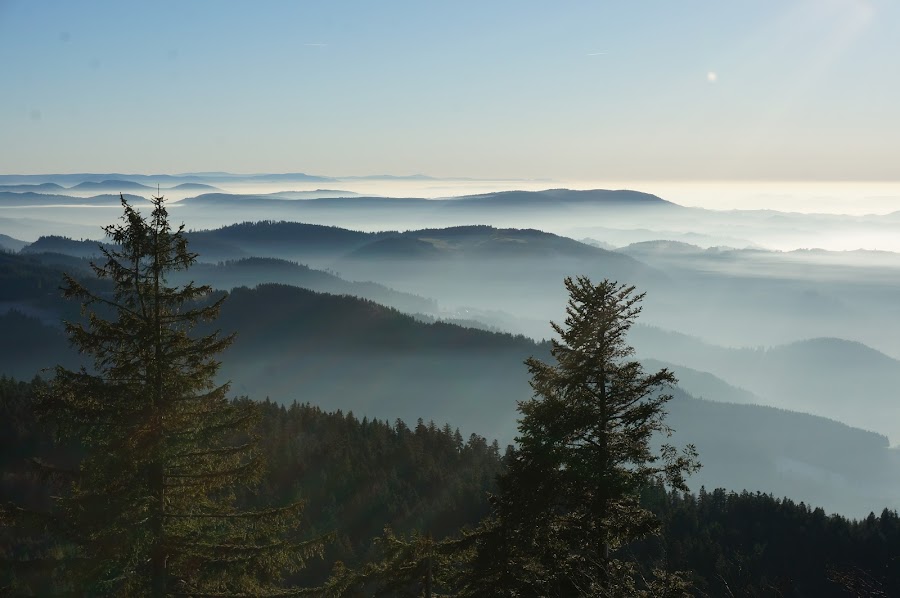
point(334, 384)
point(358, 475)
point(450, 300)
point(340, 352)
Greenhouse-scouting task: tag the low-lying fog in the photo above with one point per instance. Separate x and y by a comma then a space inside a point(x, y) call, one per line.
point(783, 216)
point(732, 278)
point(796, 310)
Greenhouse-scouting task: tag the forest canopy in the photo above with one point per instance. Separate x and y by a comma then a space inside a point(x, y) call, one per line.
point(139, 473)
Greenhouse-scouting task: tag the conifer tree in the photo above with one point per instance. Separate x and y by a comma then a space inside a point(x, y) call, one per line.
point(151, 511)
point(568, 504)
point(413, 567)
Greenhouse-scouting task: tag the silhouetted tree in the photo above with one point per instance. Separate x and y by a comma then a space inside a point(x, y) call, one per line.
point(569, 503)
point(151, 508)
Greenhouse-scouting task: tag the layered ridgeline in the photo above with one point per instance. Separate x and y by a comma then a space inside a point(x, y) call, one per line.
point(508, 279)
point(11, 244)
point(71, 255)
point(747, 298)
point(517, 272)
point(548, 210)
point(743, 297)
point(107, 185)
point(617, 217)
point(513, 277)
point(352, 354)
point(840, 379)
point(756, 297)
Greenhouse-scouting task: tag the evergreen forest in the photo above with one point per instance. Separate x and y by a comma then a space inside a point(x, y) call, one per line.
point(135, 470)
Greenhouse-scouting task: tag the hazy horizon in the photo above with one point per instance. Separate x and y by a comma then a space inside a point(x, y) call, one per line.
point(854, 198)
point(771, 124)
point(763, 91)
point(773, 105)
point(268, 265)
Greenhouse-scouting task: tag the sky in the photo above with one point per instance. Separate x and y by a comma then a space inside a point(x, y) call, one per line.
point(762, 90)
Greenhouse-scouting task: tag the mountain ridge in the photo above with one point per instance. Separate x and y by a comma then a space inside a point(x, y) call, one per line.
point(353, 354)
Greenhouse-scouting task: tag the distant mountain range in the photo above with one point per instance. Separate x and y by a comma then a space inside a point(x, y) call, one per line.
point(315, 194)
point(840, 379)
point(736, 228)
point(109, 185)
point(568, 196)
point(301, 241)
point(426, 256)
point(511, 261)
point(195, 187)
point(351, 354)
point(291, 240)
point(63, 245)
point(8, 243)
point(51, 254)
point(704, 385)
point(520, 273)
point(252, 271)
point(499, 200)
point(513, 270)
point(33, 188)
point(685, 255)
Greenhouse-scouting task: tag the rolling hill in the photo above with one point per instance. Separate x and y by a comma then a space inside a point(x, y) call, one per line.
point(351, 354)
point(114, 185)
point(835, 378)
point(289, 240)
point(33, 188)
point(250, 272)
point(522, 269)
point(562, 197)
point(195, 187)
point(63, 245)
point(8, 243)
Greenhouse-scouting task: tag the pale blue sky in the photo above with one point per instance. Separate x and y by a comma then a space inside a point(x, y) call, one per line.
point(802, 89)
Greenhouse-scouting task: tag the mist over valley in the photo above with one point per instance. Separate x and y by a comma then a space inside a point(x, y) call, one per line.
point(426, 308)
point(450, 299)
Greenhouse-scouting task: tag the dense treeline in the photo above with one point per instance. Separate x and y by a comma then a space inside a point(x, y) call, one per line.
point(28, 279)
point(352, 354)
point(358, 475)
point(753, 544)
point(139, 476)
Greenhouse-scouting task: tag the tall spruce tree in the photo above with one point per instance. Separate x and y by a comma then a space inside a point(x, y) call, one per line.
point(151, 511)
point(568, 505)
